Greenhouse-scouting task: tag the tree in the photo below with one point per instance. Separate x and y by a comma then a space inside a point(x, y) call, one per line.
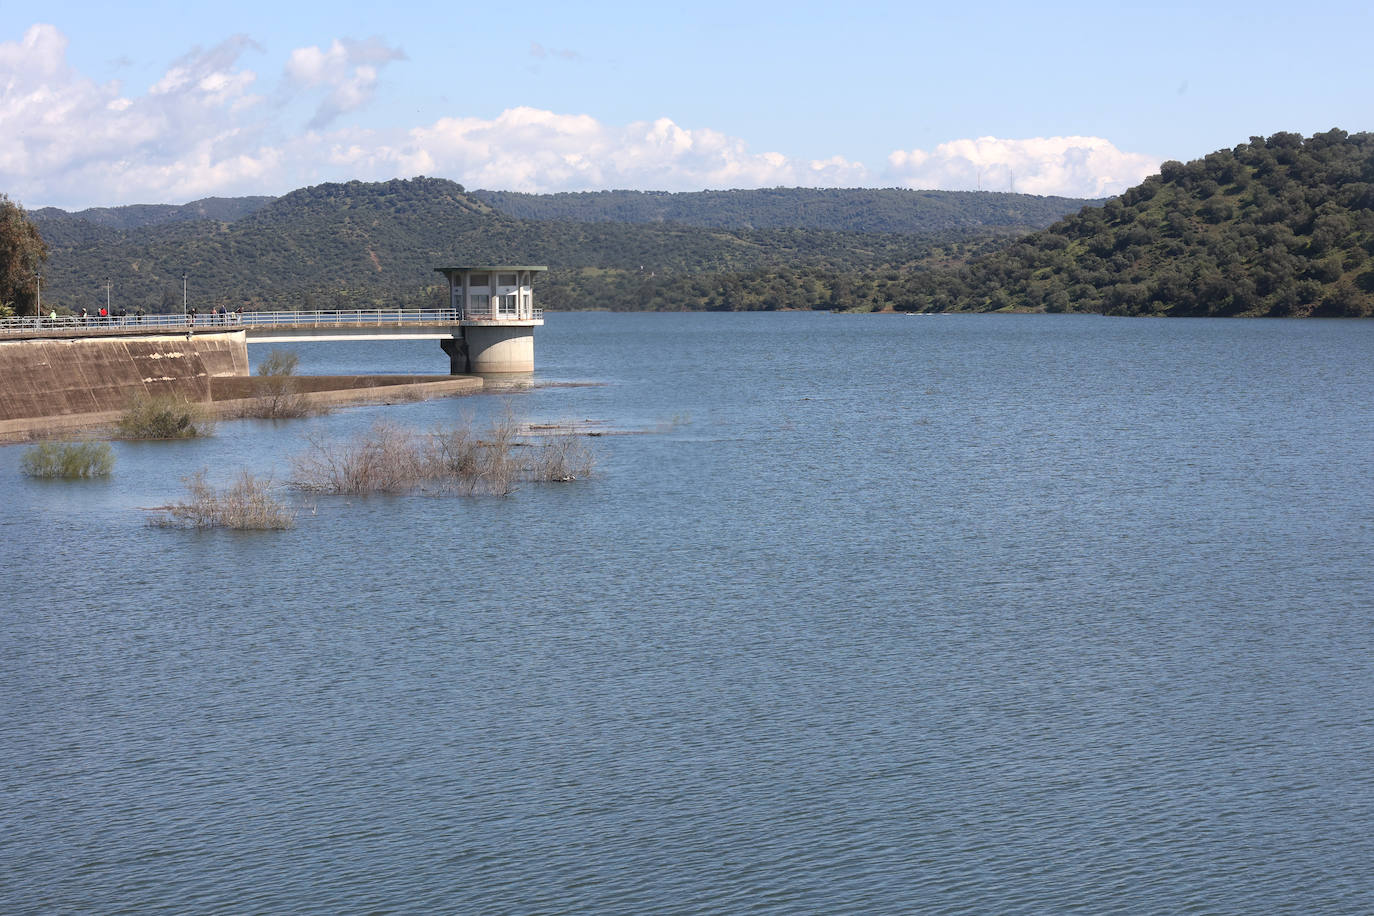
point(22, 253)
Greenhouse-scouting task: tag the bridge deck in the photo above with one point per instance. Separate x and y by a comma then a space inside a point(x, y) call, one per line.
point(269, 327)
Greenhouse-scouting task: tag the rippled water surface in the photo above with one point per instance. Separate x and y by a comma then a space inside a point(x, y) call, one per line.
point(873, 614)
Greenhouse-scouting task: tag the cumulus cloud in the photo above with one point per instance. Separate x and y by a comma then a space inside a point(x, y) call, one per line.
point(73, 139)
point(201, 129)
point(527, 149)
point(206, 128)
point(349, 70)
point(1065, 166)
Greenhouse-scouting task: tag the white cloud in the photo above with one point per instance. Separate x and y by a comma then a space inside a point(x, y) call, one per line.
point(1065, 166)
point(75, 141)
point(36, 58)
point(349, 69)
point(528, 149)
point(205, 128)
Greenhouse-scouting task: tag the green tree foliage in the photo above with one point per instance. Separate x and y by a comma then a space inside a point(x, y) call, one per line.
point(1279, 226)
point(22, 253)
point(872, 210)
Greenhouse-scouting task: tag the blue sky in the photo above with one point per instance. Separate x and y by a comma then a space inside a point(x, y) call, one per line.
point(105, 104)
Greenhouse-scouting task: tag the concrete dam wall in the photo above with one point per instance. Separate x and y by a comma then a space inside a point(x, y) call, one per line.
point(54, 377)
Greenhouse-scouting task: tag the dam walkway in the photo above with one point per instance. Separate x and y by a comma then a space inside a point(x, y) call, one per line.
point(274, 327)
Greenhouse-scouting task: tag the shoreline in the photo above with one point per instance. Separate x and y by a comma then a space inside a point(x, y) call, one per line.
point(329, 392)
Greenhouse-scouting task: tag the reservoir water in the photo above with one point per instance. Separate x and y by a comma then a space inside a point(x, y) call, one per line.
point(864, 614)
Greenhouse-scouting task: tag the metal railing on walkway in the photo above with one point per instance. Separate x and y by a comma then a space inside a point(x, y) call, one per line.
point(254, 319)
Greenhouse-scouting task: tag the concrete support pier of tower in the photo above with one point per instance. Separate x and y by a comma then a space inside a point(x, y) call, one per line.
point(497, 318)
point(492, 349)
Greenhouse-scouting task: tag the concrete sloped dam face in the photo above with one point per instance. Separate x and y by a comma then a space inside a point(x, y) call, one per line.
point(58, 377)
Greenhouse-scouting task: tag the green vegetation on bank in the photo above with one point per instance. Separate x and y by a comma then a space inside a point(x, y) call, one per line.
point(1282, 226)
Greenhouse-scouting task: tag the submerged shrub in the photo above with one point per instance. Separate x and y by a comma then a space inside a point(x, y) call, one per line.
point(562, 457)
point(474, 461)
point(388, 459)
point(149, 417)
point(278, 397)
point(246, 505)
point(69, 460)
point(276, 394)
point(279, 363)
point(385, 459)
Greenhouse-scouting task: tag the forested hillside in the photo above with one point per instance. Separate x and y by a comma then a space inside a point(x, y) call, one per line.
point(364, 245)
point(1280, 226)
point(886, 210)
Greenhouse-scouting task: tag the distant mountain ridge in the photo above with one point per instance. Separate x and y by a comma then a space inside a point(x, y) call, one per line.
point(881, 210)
point(365, 244)
point(137, 216)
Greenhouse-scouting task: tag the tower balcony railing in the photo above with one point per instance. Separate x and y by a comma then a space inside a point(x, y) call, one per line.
point(497, 312)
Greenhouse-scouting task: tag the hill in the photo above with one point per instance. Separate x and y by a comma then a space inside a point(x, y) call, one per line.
point(1280, 226)
point(886, 210)
point(375, 244)
point(138, 216)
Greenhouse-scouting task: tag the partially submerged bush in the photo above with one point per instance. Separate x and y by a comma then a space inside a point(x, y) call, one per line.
point(388, 459)
point(562, 457)
point(279, 363)
point(474, 462)
point(69, 460)
point(385, 459)
point(465, 461)
point(149, 417)
point(247, 505)
point(278, 397)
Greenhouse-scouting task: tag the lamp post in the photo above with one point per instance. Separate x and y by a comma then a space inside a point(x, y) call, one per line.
point(107, 300)
point(38, 306)
point(183, 297)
